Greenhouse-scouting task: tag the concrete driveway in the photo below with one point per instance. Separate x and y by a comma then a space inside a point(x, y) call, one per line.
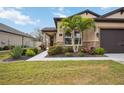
point(116, 57)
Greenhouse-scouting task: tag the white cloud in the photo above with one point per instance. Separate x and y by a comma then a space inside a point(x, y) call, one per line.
point(104, 8)
point(18, 8)
point(15, 15)
point(59, 14)
point(61, 9)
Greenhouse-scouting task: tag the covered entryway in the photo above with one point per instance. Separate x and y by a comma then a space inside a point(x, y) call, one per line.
point(112, 40)
point(49, 36)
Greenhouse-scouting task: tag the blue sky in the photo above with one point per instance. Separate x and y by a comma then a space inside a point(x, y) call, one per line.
point(27, 19)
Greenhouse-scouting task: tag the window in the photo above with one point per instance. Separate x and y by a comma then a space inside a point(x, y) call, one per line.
point(68, 38)
point(77, 37)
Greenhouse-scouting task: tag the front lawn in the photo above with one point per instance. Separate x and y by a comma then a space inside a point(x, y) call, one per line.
point(4, 55)
point(62, 72)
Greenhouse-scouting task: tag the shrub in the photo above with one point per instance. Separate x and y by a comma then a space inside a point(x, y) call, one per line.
point(24, 52)
point(35, 50)
point(51, 52)
point(1, 48)
point(42, 47)
point(68, 54)
point(80, 54)
point(30, 52)
point(16, 52)
point(68, 49)
point(6, 48)
point(85, 50)
point(55, 50)
point(92, 51)
point(11, 47)
point(99, 51)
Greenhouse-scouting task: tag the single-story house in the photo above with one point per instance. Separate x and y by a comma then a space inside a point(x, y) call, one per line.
point(10, 36)
point(109, 32)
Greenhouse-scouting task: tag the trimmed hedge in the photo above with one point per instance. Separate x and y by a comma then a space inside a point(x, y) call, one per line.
point(55, 50)
point(100, 51)
point(68, 49)
point(30, 52)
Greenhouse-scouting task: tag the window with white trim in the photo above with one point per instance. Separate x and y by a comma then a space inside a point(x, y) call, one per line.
point(68, 38)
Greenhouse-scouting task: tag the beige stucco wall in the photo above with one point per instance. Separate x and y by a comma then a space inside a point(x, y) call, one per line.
point(109, 25)
point(13, 39)
point(46, 40)
point(90, 37)
point(88, 15)
point(116, 15)
point(59, 39)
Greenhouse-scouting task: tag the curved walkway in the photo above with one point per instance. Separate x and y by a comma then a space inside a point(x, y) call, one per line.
point(38, 57)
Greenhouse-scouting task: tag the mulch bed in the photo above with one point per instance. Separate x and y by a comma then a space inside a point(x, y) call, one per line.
point(75, 55)
point(20, 59)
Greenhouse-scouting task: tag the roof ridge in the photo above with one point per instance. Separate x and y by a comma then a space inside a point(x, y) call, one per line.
point(86, 10)
point(112, 12)
point(13, 30)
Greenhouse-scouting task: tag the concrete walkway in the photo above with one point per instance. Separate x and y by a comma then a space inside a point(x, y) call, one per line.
point(41, 57)
point(116, 57)
point(72, 58)
point(111, 56)
point(38, 57)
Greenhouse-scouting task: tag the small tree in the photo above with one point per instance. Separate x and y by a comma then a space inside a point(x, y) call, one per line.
point(37, 34)
point(76, 23)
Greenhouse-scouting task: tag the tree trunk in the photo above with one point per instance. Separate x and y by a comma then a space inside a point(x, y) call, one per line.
point(73, 43)
point(77, 46)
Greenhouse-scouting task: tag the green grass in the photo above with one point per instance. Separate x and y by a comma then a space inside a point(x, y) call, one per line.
point(62, 72)
point(4, 55)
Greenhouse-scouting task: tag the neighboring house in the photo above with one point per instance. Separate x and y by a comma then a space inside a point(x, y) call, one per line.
point(10, 36)
point(109, 32)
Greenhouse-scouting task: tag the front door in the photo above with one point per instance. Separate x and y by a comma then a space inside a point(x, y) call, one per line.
point(51, 41)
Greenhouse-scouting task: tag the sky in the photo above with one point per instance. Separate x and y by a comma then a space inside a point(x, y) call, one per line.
point(28, 19)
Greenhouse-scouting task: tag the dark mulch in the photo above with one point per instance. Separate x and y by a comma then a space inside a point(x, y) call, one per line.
point(75, 55)
point(20, 59)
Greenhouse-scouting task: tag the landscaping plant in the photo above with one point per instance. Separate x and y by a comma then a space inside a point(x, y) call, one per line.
point(30, 52)
point(80, 54)
point(68, 54)
point(16, 52)
point(6, 47)
point(55, 50)
point(100, 51)
point(24, 52)
point(77, 23)
point(1, 48)
point(35, 50)
point(68, 49)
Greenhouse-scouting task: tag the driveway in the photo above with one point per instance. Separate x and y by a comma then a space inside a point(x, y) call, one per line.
point(116, 57)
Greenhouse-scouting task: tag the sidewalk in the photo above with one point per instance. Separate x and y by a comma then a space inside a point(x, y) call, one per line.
point(38, 57)
point(70, 58)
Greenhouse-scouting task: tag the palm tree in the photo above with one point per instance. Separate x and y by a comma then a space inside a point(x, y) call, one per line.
point(76, 23)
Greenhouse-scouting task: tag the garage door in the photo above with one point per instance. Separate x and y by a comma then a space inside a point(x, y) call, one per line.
point(112, 40)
